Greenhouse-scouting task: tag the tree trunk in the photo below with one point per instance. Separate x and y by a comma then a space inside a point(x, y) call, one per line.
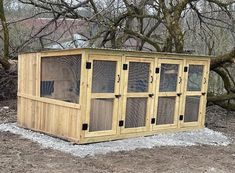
point(218, 66)
point(4, 59)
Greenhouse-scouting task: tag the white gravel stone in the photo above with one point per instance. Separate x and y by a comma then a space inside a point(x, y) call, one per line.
point(195, 137)
point(5, 107)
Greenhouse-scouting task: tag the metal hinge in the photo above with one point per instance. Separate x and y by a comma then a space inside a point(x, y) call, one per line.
point(88, 65)
point(157, 70)
point(153, 120)
point(124, 66)
point(185, 69)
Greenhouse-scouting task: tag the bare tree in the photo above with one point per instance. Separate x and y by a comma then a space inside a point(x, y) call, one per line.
point(155, 25)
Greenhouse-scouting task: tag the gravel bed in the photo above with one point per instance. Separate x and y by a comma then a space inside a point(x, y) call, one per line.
point(195, 137)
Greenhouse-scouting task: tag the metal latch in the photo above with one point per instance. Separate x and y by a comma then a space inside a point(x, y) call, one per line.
point(181, 117)
point(153, 120)
point(121, 123)
point(84, 126)
point(118, 95)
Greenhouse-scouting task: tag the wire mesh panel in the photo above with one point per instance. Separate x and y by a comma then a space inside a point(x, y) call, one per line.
point(191, 108)
point(60, 78)
point(168, 77)
point(103, 77)
point(165, 110)
point(101, 115)
point(135, 112)
point(195, 77)
point(138, 77)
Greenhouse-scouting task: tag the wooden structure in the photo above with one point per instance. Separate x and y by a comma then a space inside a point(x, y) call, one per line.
point(90, 95)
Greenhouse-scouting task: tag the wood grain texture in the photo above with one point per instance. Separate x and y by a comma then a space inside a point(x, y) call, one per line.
point(65, 119)
point(50, 118)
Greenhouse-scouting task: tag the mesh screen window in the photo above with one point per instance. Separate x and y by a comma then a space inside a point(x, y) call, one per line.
point(60, 78)
point(103, 77)
point(192, 108)
point(168, 77)
point(165, 110)
point(135, 112)
point(195, 78)
point(138, 77)
point(101, 115)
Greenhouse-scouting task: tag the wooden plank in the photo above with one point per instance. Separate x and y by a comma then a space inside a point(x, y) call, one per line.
point(28, 115)
point(144, 95)
point(33, 113)
point(205, 88)
point(52, 119)
point(24, 112)
point(84, 96)
point(19, 111)
point(19, 82)
point(72, 123)
point(52, 101)
point(23, 75)
point(30, 81)
point(55, 53)
point(102, 95)
point(38, 75)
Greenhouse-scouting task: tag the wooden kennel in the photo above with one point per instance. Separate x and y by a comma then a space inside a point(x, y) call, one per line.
point(89, 95)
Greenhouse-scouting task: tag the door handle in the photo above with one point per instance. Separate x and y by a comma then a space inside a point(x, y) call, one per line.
point(118, 80)
point(180, 80)
point(151, 80)
point(204, 81)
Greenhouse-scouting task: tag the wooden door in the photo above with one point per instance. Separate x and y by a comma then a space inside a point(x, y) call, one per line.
point(138, 94)
point(194, 94)
point(168, 93)
point(103, 92)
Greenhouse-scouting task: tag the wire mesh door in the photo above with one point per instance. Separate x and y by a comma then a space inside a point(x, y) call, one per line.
point(168, 89)
point(103, 89)
point(194, 93)
point(138, 95)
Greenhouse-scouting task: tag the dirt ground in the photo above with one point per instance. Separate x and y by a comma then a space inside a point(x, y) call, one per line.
point(22, 155)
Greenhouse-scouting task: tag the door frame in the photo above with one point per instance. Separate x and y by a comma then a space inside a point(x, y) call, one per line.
point(202, 93)
point(178, 100)
point(151, 61)
point(91, 95)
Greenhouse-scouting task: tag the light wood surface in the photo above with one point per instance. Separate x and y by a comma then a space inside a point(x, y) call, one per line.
point(103, 111)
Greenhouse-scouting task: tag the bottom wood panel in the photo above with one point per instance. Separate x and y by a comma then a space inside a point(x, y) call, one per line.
point(65, 122)
point(57, 120)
